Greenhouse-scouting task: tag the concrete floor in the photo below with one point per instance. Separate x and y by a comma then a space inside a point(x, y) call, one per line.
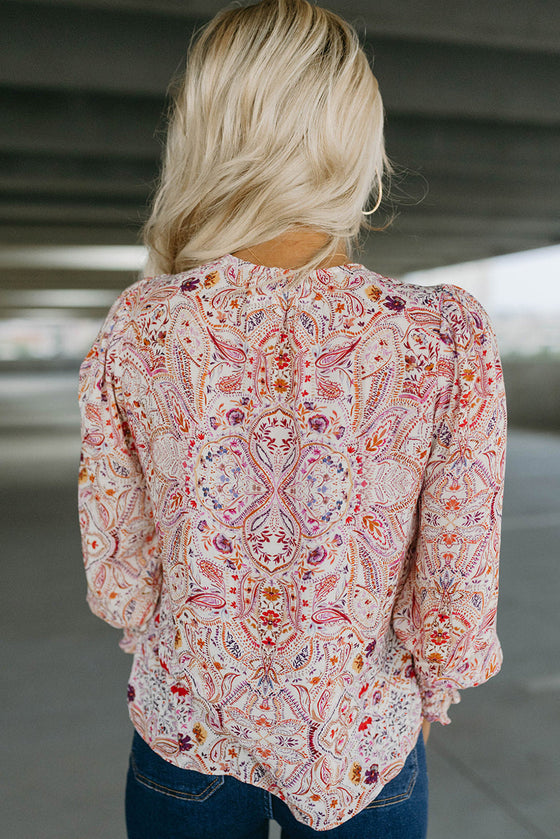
point(494, 773)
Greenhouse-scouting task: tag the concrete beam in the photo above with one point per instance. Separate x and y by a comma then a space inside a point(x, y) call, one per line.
point(475, 197)
point(33, 176)
point(468, 82)
point(411, 222)
point(45, 233)
point(76, 124)
point(42, 179)
point(127, 53)
point(30, 279)
point(84, 131)
point(52, 47)
point(481, 149)
point(511, 23)
point(72, 212)
point(463, 196)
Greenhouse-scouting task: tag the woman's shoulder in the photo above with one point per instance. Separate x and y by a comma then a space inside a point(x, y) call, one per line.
point(444, 299)
point(454, 315)
point(464, 316)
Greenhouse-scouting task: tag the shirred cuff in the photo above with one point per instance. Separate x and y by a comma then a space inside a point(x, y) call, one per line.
point(130, 640)
point(435, 704)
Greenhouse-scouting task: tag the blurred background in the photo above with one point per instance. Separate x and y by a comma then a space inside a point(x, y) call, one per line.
point(473, 128)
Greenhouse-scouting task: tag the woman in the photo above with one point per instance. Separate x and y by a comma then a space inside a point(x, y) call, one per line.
point(292, 467)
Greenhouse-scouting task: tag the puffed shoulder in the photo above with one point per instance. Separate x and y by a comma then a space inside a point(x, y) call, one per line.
point(464, 318)
point(121, 312)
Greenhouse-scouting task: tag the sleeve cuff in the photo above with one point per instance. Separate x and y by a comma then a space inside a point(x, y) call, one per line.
point(130, 640)
point(435, 704)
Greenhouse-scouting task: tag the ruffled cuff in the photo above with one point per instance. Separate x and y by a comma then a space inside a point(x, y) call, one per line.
point(130, 640)
point(435, 704)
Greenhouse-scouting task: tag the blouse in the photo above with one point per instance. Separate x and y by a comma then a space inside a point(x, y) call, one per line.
point(290, 501)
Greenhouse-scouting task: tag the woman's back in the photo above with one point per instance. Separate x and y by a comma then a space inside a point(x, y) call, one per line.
point(300, 527)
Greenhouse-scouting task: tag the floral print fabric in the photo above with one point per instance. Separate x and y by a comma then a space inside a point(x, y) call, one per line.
point(290, 502)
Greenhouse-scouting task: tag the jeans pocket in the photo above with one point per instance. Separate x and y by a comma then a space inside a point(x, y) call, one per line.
point(400, 788)
point(152, 771)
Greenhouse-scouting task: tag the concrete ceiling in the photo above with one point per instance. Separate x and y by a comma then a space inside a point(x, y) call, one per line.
point(471, 92)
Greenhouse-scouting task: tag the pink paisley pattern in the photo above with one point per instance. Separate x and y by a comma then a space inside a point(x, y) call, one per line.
point(290, 501)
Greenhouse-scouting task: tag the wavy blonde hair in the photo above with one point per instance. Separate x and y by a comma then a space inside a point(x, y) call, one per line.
point(277, 125)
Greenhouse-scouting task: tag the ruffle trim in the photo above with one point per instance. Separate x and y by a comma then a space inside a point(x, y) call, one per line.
point(436, 703)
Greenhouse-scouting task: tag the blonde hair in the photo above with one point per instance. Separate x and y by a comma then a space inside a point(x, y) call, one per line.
point(277, 125)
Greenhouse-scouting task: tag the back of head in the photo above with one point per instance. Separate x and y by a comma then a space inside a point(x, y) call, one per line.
point(278, 124)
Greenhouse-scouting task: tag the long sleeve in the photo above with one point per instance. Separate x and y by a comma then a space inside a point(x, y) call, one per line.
point(446, 611)
point(119, 537)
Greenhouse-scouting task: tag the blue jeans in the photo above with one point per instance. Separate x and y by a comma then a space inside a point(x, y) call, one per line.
point(165, 802)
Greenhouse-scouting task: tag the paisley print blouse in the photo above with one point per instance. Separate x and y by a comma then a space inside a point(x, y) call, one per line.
point(290, 501)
